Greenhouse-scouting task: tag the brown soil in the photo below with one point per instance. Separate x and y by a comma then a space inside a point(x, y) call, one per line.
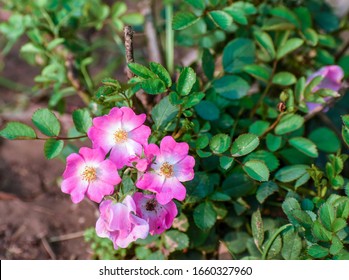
point(37, 221)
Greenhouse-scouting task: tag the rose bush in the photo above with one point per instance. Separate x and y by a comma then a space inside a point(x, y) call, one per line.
point(234, 138)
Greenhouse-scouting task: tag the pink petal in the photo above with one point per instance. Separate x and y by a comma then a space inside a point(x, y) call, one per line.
point(130, 120)
point(75, 187)
point(184, 170)
point(151, 182)
point(173, 151)
point(172, 188)
point(120, 219)
point(140, 230)
point(107, 123)
point(108, 172)
point(140, 134)
point(92, 155)
point(101, 229)
point(151, 150)
point(101, 139)
point(98, 189)
point(119, 155)
point(130, 204)
point(133, 148)
point(74, 165)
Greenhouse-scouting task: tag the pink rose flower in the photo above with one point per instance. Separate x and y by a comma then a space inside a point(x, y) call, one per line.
point(89, 173)
point(122, 133)
point(171, 166)
point(332, 79)
point(119, 223)
point(160, 217)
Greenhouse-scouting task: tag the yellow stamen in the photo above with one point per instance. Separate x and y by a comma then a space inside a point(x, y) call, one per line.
point(89, 174)
point(166, 169)
point(120, 136)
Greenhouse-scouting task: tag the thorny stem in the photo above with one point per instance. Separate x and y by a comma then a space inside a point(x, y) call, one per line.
point(59, 138)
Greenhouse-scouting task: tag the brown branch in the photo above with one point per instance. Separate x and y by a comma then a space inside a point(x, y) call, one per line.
point(128, 33)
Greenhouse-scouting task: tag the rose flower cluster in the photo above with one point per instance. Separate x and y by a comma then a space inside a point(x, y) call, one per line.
point(120, 139)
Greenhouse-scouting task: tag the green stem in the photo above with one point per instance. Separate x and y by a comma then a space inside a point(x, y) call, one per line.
point(271, 241)
point(169, 38)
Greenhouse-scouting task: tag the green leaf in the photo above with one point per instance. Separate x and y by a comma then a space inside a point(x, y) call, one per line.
point(183, 20)
point(193, 99)
point(289, 123)
point(270, 160)
point(157, 255)
point(292, 245)
point(197, 4)
point(327, 215)
point(305, 146)
point(186, 81)
point(265, 190)
point(226, 162)
point(231, 87)
point(153, 86)
point(46, 122)
point(286, 14)
point(237, 54)
point(345, 135)
point(218, 196)
point(259, 72)
point(311, 36)
point(221, 19)
point(336, 246)
point(17, 131)
point(133, 19)
point(82, 120)
point(266, 42)
point(320, 232)
point(244, 145)
point(164, 113)
point(257, 228)
point(237, 185)
point(142, 252)
point(220, 143)
point(259, 127)
point(290, 46)
point(302, 217)
point(273, 142)
point(161, 72)
point(317, 251)
point(291, 173)
point(257, 170)
point(53, 148)
point(176, 240)
point(54, 43)
point(141, 70)
point(339, 224)
point(284, 79)
point(202, 142)
point(207, 110)
point(289, 205)
point(204, 215)
point(325, 139)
